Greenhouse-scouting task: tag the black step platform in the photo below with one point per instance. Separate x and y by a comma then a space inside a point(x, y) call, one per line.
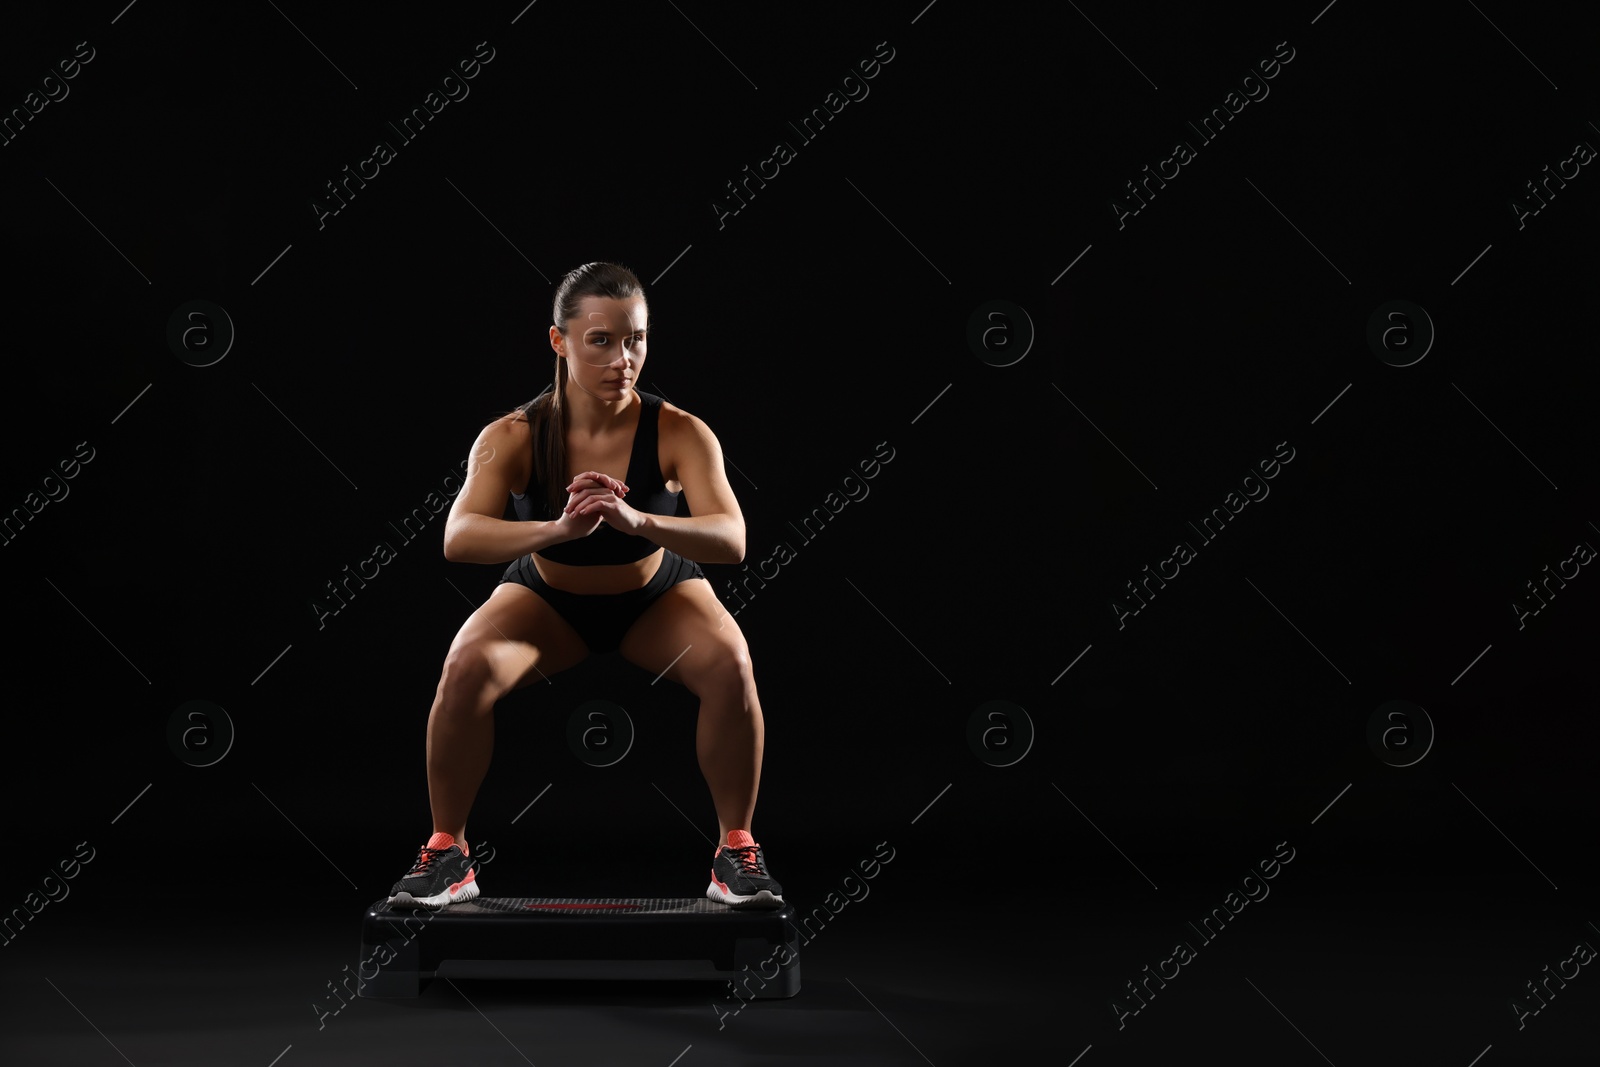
point(668, 938)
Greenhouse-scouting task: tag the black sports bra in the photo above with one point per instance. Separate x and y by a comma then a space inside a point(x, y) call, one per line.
point(647, 492)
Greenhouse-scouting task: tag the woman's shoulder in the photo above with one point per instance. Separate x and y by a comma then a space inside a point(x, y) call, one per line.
point(509, 432)
point(672, 415)
point(681, 430)
point(511, 422)
point(518, 419)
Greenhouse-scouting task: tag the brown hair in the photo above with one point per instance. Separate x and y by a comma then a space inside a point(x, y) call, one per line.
point(546, 414)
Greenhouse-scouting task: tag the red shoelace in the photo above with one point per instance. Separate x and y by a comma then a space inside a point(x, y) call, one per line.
point(426, 857)
point(746, 859)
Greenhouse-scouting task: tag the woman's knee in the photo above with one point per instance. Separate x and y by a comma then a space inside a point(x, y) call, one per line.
point(467, 681)
point(725, 672)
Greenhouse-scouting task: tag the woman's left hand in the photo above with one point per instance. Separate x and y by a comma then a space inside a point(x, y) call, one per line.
point(612, 509)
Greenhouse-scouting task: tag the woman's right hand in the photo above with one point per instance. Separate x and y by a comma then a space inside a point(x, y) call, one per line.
point(582, 487)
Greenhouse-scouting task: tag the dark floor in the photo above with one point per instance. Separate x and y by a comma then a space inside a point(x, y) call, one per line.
point(1333, 965)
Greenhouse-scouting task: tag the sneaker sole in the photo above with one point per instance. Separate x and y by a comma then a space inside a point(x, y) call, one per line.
point(762, 898)
point(440, 900)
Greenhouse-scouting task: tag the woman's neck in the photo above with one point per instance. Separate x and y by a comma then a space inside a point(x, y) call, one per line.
point(590, 416)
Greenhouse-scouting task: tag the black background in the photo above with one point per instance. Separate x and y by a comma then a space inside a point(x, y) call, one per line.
point(826, 318)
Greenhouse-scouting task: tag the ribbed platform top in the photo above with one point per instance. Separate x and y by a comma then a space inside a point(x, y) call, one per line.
point(577, 907)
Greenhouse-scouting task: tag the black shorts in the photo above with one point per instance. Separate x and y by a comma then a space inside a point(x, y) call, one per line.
point(602, 619)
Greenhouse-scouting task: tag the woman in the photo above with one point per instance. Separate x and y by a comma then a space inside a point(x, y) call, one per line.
point(599, 561)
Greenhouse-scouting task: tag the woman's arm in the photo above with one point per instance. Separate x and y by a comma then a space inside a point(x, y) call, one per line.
point(475, 532)
point(702, 538)
point(714, 530)
point(474, 538)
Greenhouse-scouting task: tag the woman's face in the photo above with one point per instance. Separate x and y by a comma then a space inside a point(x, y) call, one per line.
point(605, 345)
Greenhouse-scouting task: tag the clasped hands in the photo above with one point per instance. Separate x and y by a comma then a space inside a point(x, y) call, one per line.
point(592, 498)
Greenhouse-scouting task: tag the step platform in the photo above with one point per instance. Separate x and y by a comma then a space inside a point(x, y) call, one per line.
point(653, 938)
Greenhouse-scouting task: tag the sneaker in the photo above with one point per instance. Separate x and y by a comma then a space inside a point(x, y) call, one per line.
point(442, 875)
point(739, 875)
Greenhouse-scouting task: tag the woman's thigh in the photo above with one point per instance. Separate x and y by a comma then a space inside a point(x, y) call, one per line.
point(518, 638)
point(688, 636)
